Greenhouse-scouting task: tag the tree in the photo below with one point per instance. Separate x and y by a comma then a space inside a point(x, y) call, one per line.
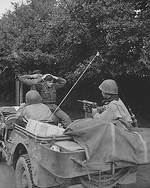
point(64, 35)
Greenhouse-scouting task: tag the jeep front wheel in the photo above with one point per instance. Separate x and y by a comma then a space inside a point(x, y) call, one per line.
point(23, 173)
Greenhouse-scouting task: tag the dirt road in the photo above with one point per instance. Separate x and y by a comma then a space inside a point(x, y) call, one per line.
point(6, 176)
point(7, 179)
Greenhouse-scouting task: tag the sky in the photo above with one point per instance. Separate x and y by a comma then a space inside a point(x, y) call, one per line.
point(6, 5)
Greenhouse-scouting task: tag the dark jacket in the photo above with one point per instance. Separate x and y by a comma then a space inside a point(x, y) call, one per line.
point(47, 89)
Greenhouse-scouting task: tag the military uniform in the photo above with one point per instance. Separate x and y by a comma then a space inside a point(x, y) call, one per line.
point(47, 90)
point(114, 108)
point(113, 111)
point(34, 108)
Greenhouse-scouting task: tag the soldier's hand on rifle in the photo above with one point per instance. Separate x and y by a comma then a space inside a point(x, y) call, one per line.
point(101, 109)
point(86, 107)
point(94, 111)
point(98, 109)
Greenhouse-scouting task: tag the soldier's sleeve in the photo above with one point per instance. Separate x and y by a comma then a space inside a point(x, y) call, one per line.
point(28, 80)
point(106, 115)
point(59, 82)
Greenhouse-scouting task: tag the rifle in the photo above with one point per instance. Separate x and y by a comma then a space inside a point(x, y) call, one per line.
point(87, 106)
point(134, 120)
point(88, 103)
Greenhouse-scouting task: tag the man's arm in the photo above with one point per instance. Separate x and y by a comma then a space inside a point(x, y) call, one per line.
point(106, 115)
point(20, 110)
point(30, 80)
point(59, 82)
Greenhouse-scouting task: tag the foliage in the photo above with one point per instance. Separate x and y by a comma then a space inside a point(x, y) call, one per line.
point(62, 36)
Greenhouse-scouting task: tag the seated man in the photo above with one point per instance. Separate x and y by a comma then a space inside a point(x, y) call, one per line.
point(113, 108)
point(35, 109)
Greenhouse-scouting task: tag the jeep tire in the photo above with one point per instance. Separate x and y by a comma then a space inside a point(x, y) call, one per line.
point(23, 173)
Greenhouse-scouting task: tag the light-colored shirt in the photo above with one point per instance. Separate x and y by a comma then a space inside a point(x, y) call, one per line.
point(39, 112)
point(114, 110)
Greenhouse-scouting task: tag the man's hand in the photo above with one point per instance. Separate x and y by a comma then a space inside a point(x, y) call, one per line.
point(55, 77)
point(101, 109)
point(94, 111)
point(49, 77)
point(45, 75)
point(34, 76)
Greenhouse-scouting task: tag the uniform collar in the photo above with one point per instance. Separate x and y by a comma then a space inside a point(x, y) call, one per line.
point(112, 98)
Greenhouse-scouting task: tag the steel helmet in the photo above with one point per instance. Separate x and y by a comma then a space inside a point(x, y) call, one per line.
point(109, 86)
point(33, 97)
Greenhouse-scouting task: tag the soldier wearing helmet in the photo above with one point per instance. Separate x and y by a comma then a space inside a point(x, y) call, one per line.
point(113, 108)
point(47, 86)
point(34, 108)
point(109, 86)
